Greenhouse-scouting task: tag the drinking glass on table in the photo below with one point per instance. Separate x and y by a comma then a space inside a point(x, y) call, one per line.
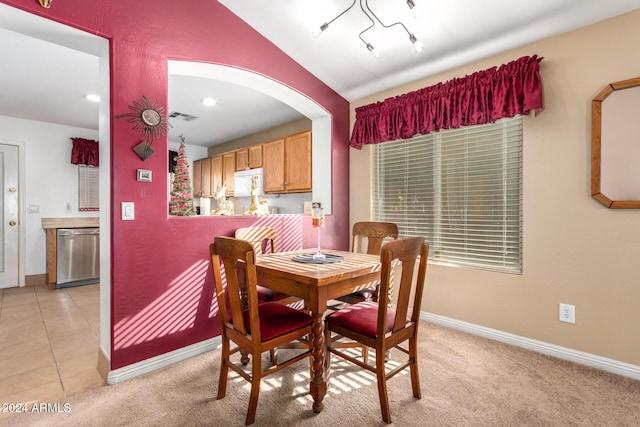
point(317, 221)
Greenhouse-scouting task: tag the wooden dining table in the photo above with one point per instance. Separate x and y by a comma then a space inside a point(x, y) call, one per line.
point(317, 284)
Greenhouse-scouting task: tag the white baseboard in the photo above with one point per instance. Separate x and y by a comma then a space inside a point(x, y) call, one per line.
point(603, 363)
point(163, 360)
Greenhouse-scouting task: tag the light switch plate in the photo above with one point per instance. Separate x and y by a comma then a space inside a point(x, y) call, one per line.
point(128, 213)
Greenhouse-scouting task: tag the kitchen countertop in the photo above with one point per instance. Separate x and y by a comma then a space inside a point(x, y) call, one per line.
point(78, 222)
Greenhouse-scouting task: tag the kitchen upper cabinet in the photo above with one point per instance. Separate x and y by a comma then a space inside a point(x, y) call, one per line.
point(197, 178)
point(202, 178)
point(216, 174)
point(255, 156)
point(287, 164)
point(297, 162)
point(229, 168)
point(249, 158)
point(273, 162)
point(206, 177)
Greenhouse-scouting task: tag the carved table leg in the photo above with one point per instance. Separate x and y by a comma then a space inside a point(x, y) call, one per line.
point(244, 359)
point(318, 385)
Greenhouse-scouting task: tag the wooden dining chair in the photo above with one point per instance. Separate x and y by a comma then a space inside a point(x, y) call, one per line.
point(252, 326)
point(259, 237)
point(262, 238)
point(376, 233)
point(381, 327)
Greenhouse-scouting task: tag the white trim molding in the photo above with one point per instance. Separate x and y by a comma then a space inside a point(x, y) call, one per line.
point(587, 359)
point(149, 365)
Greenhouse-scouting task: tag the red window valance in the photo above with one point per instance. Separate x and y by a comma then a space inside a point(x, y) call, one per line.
point(482, 97)
point(85, 152)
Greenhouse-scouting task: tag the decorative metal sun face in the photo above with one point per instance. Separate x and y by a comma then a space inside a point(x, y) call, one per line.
point(147, 117)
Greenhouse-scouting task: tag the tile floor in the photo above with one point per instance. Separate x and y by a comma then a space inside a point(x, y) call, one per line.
point(48, 343)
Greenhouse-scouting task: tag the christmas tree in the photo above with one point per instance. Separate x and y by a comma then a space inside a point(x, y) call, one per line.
point(181, 203)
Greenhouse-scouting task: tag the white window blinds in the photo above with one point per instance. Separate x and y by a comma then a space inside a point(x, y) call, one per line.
point(88, 188)
point(461, 189)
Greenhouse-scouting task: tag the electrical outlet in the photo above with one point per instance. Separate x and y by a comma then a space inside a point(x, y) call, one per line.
point(567, 313)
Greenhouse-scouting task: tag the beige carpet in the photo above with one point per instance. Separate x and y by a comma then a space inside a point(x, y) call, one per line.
point(465, 380)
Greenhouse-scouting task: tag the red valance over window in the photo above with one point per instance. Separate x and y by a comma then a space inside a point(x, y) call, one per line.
point(482, 97)
point(85, 152)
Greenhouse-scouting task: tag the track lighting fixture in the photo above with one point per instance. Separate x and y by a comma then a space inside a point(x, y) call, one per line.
point(364, 6)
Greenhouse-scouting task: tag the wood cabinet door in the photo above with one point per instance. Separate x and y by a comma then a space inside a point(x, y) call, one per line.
point(273, 164)
point(229, 166)
point(216, 174)
point(249, 158)
point(242, 159)
point(297, 165)
point(206, 177)
point(255, 156)
point(197, 178)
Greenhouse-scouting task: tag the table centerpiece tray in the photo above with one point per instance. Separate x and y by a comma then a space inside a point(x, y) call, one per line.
point(313, 259)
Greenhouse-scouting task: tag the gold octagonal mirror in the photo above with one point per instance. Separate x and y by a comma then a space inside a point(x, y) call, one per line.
point(615, 145)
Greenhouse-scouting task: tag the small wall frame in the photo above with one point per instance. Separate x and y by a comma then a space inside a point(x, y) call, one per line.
point(144, 175)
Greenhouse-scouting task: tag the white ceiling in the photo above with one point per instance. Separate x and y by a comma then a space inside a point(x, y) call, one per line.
point(454, 32)
point(46, 82)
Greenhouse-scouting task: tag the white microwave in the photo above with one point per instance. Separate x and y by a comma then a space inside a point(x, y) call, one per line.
point(242, 182)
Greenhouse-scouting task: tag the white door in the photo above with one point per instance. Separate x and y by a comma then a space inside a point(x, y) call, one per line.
point(9, 231)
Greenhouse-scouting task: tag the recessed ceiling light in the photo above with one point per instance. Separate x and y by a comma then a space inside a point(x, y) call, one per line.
point(92, 97)
point(209, 102)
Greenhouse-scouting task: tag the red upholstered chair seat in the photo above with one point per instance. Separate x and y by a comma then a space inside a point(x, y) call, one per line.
point(361, 318)
point(277, 319)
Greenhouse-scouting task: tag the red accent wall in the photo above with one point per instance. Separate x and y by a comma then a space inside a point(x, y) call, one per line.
point(162, 289)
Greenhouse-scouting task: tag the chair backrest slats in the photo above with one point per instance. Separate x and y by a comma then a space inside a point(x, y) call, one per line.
point(257, 236)
point(406, 251)
point(375, 232)
point(234, 254)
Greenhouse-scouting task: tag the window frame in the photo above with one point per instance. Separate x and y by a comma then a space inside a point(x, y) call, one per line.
point(423, 170)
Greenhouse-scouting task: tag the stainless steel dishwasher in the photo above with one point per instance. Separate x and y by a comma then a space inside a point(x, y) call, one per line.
point(78, 256)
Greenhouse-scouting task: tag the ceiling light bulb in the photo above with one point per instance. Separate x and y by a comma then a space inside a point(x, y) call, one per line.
point(92, 97)
point(375, 52)
point(318, 31)
point(417, 44)
point(209, 102)
point(417, 12)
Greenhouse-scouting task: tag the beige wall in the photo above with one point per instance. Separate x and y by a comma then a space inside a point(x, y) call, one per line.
point(576, 251)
